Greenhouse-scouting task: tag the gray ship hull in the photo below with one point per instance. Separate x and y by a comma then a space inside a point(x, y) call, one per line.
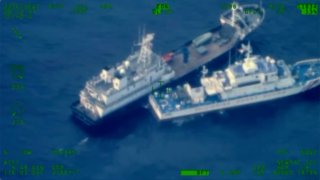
point(195, 60)
point(229, 36)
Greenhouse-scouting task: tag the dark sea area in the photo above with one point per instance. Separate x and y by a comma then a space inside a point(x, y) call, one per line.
point(60, 50)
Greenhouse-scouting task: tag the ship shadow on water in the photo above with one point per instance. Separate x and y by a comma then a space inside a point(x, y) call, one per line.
point(312, 95)
point(118, 124)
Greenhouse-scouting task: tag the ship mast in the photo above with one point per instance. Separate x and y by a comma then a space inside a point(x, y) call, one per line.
point(204, 71)
point(229, 58)
point(247, 49)
point(145, 50)
point(238, 17)
point(233, 10)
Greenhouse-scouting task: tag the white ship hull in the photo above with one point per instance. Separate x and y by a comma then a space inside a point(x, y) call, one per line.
point(138, 93)
point(144, 88)
point(228, 104)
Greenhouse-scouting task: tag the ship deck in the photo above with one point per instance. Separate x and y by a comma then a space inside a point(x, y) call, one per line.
point(214, 50)
point(165, 108)
point(307, 70)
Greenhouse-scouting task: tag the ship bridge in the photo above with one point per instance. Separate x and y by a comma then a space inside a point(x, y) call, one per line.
point(254, 69)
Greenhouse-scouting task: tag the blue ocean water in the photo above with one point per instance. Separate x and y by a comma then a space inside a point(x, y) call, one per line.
point(60, 50)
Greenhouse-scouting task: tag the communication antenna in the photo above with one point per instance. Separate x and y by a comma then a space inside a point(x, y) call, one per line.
point(139, 37)
point(143, 29)
point(159, 62)
point(246, 49)
point(204, 71)
point(140, 34)
point(229, 58)
point(234, 7)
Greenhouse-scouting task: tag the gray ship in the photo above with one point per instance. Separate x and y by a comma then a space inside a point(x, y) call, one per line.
point(252, 80)
point(235, 25)
point(142, 71)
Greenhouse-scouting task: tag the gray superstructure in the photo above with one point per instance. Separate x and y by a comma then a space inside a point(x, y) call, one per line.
point(252, 80)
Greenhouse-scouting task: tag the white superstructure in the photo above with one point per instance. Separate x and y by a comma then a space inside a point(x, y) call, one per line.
point(252, 80)
point(117, 86)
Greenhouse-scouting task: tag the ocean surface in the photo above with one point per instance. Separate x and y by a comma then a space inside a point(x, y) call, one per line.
point(60, 50)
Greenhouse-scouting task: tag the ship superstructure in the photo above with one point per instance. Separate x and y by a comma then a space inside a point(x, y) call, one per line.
point(117, 86)
point(251, 80)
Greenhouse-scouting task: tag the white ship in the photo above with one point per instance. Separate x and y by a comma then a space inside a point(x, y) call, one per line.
point(116, 87)
point(252, 80)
